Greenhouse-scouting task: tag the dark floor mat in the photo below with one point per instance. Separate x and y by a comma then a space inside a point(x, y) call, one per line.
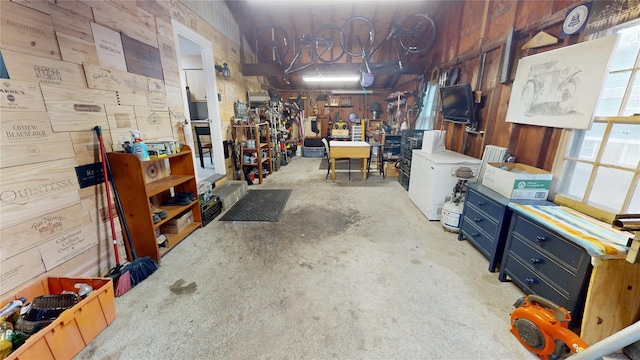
point(258, 205)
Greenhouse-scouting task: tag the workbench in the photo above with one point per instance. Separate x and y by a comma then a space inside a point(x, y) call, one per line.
point(352, 150)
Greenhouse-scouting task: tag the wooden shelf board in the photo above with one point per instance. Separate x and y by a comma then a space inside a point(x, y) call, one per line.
point(173, 211)
point(163, 184)
point(175, 239)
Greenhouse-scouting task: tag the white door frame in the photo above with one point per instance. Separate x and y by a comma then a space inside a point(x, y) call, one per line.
point(212, 95)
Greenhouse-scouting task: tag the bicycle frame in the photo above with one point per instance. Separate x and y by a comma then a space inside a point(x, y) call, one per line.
point(306, 41)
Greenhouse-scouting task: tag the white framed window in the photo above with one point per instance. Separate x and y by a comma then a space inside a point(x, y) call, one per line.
point(598, 170)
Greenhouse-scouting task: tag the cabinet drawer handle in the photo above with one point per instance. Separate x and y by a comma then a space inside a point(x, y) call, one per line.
point(535, 261)
point(477, 220)
point(480, 203)
point(540, 238)
point(530, 281)
point(474, 235)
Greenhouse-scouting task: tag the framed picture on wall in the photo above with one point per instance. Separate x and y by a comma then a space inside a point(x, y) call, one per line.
point(560, 88)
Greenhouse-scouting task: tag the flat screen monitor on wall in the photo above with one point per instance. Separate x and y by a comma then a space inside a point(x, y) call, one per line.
point(457, 103)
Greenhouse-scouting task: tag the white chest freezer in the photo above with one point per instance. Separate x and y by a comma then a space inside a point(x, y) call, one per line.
point(431, 179)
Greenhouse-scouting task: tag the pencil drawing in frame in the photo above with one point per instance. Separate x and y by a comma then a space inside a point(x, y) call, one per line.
point(560, 88)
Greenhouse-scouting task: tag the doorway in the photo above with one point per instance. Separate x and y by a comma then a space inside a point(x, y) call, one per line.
point(197, 76)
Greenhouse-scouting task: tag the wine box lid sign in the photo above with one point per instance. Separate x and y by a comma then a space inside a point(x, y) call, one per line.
point(517, 181)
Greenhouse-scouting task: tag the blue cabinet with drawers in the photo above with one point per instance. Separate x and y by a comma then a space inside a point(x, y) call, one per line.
point(485, 221)
point(543, 262)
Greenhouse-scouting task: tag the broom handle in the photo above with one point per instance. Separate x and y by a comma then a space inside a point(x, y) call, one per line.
point(103, 154)
point(121, 211)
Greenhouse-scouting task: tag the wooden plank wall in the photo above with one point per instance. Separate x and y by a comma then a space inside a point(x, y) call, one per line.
point(482, 39)
point(60, 87)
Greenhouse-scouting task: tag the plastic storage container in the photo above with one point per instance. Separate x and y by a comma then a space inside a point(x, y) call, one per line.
point(75, 327)
point(312, 151)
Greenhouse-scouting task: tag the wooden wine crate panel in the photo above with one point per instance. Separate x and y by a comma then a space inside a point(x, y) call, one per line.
point(71, 22)
point(67, 246)
point(27, 31)
point(104, 78)
point(157, 102)
point(76, 109)
point(50, 6)
point(139, 99)
point(76, 50)
point(109, 47)
point(122, 119)
point(153, 124)
point(27, 139)
point(142, 59)
point(178, 119)
point(174, 97)
point(34, 190)
point(42, 6)
point(45, 71)
point(86, 146)
point(164, 27)
point(76, 8)
point(94, 203)
point(156, 86)
point(20, 96)
point(72, 99)
point(17, 270)
point(126, 6)
point(36, 231)
point(129, 24)
point(172, 78)
point(192, 20)
point(156, 8)
point(178, 11)
point(168, 53)
point(147, 20)
point(77, 121)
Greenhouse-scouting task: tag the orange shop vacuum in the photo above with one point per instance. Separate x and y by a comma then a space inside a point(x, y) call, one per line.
point(542, 327)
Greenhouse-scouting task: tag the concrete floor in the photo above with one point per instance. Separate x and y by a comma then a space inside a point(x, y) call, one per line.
point(352, 270)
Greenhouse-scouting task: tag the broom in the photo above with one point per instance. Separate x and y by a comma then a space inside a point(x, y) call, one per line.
point(140, 268)
point(119, 274)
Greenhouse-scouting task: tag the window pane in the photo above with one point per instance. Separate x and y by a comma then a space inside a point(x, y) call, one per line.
point(586, 143)
point(612, 94)
point(628, 45)
point(623, 146)
point(633, 105)
point(575, 177)
point(634, 205)
point(610, 189)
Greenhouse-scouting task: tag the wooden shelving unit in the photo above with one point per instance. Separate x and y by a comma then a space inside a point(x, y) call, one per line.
point(262, 150)
point(137, 196)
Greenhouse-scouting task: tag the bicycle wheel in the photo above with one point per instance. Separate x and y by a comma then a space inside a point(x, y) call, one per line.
point(326, 42)
point(417, 33)
point(272, 44)
point(357, 27)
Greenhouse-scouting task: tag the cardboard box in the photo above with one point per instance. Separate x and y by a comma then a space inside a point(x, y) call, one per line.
point(76, 327)
point(390, 170)
point(518, 182)
point(177, 224)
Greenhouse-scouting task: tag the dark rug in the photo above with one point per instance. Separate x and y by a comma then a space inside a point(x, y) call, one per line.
point(258, 205)
point(341, 164)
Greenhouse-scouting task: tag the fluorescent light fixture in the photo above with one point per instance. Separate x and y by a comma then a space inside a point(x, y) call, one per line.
point(332, 78)
point(351, 92)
